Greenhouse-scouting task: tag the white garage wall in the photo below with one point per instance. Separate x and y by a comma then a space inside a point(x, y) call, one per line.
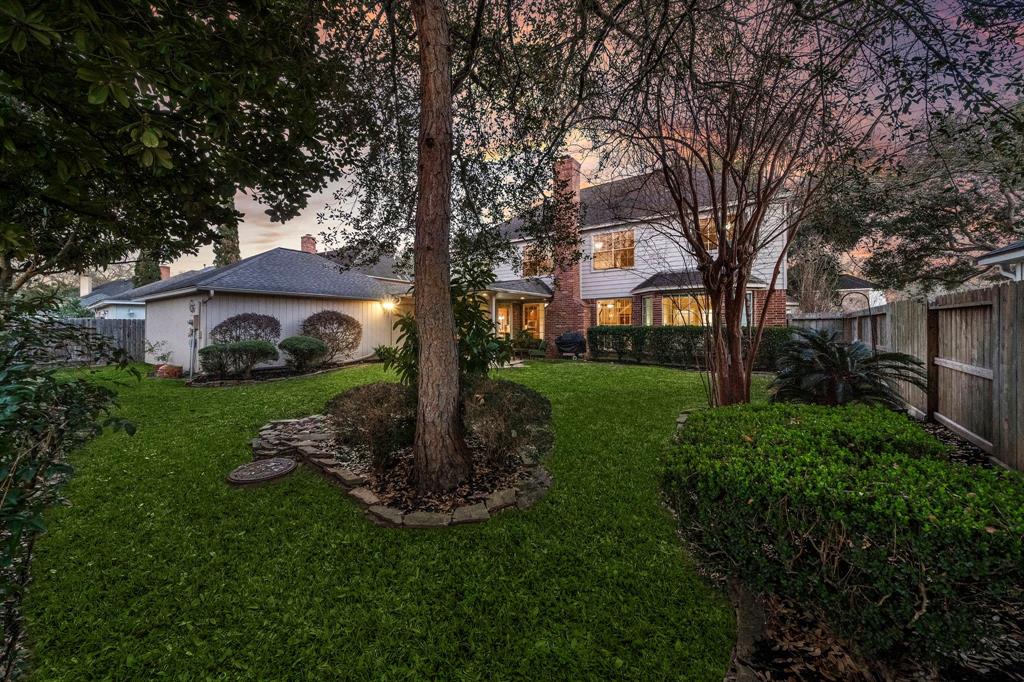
point(167, 322)
point(292, 310)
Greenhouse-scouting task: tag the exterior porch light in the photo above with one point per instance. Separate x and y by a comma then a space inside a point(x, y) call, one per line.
point(388, 305)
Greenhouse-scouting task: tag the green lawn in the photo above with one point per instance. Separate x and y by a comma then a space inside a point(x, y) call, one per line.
point(159, 569)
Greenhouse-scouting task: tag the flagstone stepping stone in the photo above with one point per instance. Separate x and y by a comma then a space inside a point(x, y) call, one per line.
point(261, 471)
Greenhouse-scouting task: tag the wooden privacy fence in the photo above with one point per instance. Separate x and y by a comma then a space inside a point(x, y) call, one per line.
point(972, 343)
point(128, 335)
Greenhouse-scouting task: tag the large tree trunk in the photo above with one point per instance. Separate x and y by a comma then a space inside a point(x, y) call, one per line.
point(730, 381)
point(442, 460)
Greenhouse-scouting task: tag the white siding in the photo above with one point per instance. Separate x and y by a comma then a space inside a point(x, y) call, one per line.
point(121, 311)
point(167, 322)
point(658, 248)
point(292, 310)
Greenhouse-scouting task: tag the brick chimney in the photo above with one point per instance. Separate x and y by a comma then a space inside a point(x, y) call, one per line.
point(84, 285)
point(566, 312)
point(165, 271)
point(309, 243)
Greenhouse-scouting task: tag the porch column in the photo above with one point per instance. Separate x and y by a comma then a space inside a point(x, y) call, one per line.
point(494, 310)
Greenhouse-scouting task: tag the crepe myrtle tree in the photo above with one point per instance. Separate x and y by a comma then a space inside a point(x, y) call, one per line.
point(491, 91)
point(129, 127)
point(742, 112)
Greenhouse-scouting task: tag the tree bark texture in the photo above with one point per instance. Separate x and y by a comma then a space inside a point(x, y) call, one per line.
point(442, 460)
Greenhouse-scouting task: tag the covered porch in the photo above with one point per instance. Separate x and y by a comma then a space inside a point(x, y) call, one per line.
point(518, 306)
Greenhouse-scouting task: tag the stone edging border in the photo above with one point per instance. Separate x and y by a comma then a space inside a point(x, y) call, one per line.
point(308, 449)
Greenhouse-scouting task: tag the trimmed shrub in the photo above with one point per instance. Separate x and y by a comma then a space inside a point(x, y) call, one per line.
point(215, 359)
point(341, 333)
point(239, 357)
point(380, 417)
point(504, 419)
point(303, 352)
point(247, 327)
point(681, 346)
point(856, 514)
point(247, 354)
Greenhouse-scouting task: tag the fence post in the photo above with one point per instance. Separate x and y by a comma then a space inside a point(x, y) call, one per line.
point(932, 368)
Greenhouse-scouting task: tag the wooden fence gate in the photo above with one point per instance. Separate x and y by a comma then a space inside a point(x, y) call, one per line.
point(972, 343)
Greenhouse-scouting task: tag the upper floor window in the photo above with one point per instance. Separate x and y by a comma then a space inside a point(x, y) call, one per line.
point(614, 250)
point(536, 262)
point(615, 311)
point(709, 231)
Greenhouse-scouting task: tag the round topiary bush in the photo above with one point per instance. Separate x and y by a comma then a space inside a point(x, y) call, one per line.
point(856, 514)
point(341, 333)
point(303, 352)
point(247, 327)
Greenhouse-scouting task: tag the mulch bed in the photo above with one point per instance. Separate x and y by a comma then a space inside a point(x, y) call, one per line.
point(796, 645)
point(395, 490)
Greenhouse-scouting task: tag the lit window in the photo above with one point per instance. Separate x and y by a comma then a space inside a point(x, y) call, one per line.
point(536, 263)
point(533, 319)
point(615, 311)
point(709, 231)
point(693, 310)
point(648, 311)
point(613, 250)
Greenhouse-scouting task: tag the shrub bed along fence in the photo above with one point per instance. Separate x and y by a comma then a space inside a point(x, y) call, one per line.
point(682, 346)
point(856, 514)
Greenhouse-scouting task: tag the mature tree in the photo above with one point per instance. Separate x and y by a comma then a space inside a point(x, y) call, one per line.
point(147, 270)
point(814, 271)
point(226, 249)
point(921, 221)
point(493, 89)
point(130, 126)
point(747, 109)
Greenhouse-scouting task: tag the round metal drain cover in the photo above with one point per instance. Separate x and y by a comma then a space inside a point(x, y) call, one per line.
point(261, 471)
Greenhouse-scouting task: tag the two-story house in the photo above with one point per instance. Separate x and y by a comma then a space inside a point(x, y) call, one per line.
point(635, 270)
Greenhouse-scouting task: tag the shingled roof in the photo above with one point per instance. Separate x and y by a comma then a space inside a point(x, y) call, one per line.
point(277, 272)
point(641, 196)
point(672, 280)
point(106, 291)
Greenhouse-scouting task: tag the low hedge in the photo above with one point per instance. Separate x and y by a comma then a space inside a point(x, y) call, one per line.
point(238, 357)
point(676, 346)
point(856, 514)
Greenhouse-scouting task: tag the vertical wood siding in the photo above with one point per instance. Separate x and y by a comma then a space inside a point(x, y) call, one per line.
point(291, 311)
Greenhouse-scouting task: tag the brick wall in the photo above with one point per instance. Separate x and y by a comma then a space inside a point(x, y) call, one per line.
point(566, 312)
point(776, 316)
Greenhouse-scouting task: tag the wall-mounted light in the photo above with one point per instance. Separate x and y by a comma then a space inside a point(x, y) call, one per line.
point(388, 305)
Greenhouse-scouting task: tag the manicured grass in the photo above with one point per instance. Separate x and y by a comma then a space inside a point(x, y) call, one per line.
point(159, 569)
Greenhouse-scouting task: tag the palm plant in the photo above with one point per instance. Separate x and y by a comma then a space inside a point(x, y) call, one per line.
point(815, 367)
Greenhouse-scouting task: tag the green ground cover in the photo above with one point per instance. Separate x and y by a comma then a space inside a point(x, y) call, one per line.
point(159, 569)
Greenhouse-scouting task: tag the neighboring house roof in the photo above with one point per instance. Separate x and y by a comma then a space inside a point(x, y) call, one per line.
point(1010, 252)
point(276, 272)
point(669, 280)
point(532, 286)
point(384, 266)
point(847, 282)
point(634, 198)
point(104, 291)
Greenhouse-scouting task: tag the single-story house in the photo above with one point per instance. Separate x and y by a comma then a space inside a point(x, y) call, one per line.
point(856, 293)
point(1008, 260)
point(287, 284)
point(108, 301)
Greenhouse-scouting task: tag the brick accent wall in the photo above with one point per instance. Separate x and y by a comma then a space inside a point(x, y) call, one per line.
point(567, 311)
point(776, 316)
